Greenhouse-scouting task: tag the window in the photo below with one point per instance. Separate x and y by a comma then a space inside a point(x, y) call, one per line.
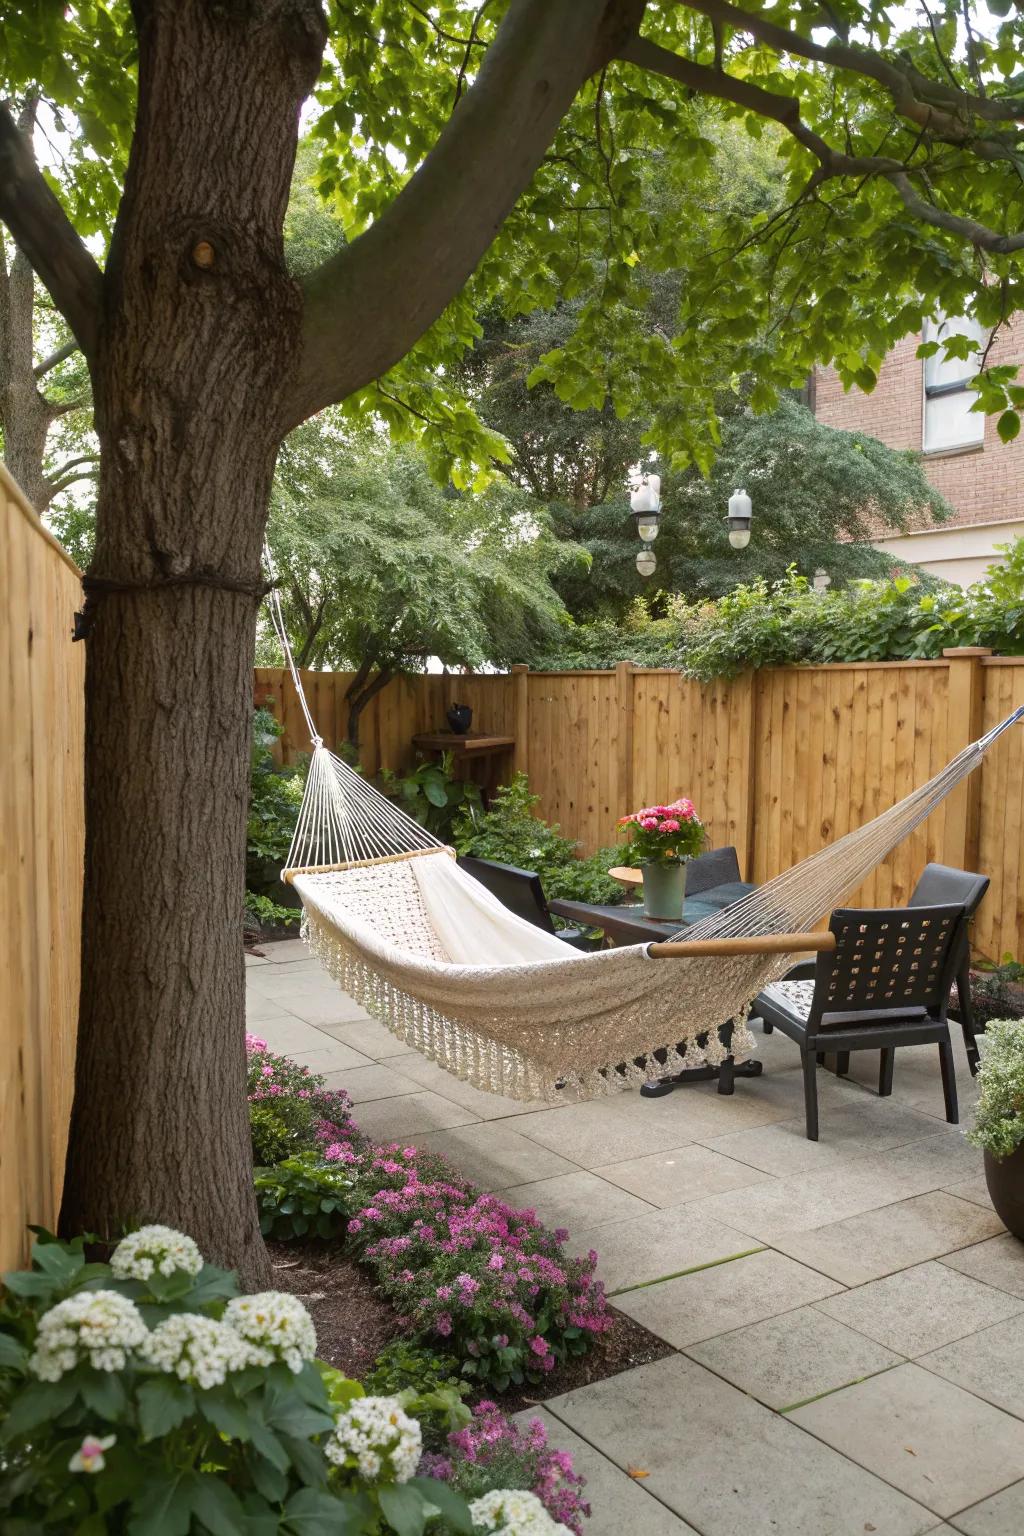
point(949, 421)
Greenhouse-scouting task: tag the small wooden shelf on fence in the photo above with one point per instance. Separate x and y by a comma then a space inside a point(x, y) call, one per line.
point(469, 748)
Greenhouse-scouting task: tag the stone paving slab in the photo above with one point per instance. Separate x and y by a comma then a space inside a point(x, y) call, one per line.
point(727, 1464)
point(853, 1130)
point(411, 1114)
point(602, 1131)
point(785, 1207)
point(699, 1306)
point(680, 1174)
point(375, 1081)
point(999, 1262)
point(879, 1242)
point(619, 1503)
point(940, 1445)
point(647, 1248)
point(1001, 1515)
point(559, 1201)
point(989, 1363)
point(496, 1156)
point(919, 1309)
point(783, 1361)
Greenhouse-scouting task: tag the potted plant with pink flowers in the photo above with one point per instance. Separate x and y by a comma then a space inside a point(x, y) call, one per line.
point(662, 840)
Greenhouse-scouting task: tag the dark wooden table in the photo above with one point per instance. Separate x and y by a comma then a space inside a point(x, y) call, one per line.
point(469, 748)
point(626, 924)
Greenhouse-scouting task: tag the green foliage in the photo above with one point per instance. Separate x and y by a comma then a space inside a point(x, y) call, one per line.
point(275, 795)
point(997, 991)
point(428, 1385)
point(123, 1439)
point(766, 624)
point(999, 1117)
point(433, 796)
point(302, 1197)
point(290, 1110)
point(509, 832)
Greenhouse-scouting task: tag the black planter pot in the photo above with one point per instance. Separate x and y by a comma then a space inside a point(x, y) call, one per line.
point(1005, 1180)
point(460, 718)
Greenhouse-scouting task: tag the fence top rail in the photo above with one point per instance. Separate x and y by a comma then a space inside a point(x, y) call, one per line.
point(16, 496)
point(1002, 661)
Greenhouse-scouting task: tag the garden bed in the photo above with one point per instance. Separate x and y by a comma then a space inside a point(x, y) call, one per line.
point(354, 1323)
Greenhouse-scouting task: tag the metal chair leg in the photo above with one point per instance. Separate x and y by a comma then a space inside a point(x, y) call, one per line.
point(810, 1065)
point(963, 994)
point(949, 1082)
point(726, 1075)
point(886, 1062)
point(842, 1063)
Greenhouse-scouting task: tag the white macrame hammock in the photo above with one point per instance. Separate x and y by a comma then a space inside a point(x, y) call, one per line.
point(497, 1002)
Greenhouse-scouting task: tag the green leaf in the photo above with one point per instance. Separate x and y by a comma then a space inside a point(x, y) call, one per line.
point(227, 1415)
point(60, 1263)
point(163, 1404)
point(217, 1506)
point(285, 1410)
point(30, 1283)
point(12, 1354)
point(307, 1458)
point(164, 1508)
point(1008, 426)
point(35, 1404)
point(311, 1512)
point(404, 1508)
point(104, 1393)
point(452, 1505)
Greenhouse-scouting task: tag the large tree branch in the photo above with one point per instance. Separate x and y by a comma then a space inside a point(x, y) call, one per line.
point(62, 353)
point(43, 231)
point(368, 305)
point(915, 96)
point(832, 162)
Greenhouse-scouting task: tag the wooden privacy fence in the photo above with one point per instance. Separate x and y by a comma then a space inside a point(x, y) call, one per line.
point(778, 762)
point(42, 826)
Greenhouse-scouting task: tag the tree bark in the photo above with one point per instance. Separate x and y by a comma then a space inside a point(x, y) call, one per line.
point(199, 333)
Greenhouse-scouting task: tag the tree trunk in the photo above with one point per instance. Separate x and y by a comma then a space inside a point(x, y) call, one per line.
point(199, 338)
point(25, 413)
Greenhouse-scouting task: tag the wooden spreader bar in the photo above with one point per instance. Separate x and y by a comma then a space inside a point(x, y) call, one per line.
point(766, 944)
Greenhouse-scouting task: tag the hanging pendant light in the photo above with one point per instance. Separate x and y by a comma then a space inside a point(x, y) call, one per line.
point(740, 513)
point(645, 504)
point(647, 561)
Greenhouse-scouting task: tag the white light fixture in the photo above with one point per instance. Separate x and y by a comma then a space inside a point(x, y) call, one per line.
point(822, 580)
point(645, 502)
point(740, 512)
point(647, 561)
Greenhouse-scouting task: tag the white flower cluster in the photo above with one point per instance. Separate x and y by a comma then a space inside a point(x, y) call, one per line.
point(385, 1443)
point(276, 1325)
point(196, 1349)
point(98, 1328)
point(154, 1250)
point(514, 1512)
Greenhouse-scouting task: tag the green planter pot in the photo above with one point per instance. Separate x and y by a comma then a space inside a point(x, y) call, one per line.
point(1005, 1179)
point(664, 890)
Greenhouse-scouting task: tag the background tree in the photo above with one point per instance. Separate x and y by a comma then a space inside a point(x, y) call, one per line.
point(472, 156)
point(381, 570)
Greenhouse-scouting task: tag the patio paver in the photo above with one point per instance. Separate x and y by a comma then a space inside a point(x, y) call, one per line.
point(876, 1243)
point(664, 1243)
point(1001, 1515)
point(496, 1156)
point(783, 1361)
point(559, 1201)
point(699, 1306)
point(989, 1363)
point(726, 1463)
point(680, 1174)
point(409, 1115)
point(919, 1309)
point(999, 1262)
point(940, 1445)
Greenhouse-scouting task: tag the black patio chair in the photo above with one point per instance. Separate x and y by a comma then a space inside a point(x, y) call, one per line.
point(720, 866)
point(885, 984)
point(522, 892)
point(939, 883)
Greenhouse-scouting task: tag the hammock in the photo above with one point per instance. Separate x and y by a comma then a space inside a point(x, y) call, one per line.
point(497, 1002)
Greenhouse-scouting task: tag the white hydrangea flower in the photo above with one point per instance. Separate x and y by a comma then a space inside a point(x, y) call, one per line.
point(276, 1325)
point(376, 1432)
point(197, 1349)
point(514, 1512)
point(155, 1250)
point(98, 1328)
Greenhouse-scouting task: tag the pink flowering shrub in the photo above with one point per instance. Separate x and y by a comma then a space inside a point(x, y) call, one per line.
point(492, 1452)
point(491, 1281)
point(662, 834)
point(289, 1107)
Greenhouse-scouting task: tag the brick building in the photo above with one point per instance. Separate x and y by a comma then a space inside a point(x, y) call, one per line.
point(923, 404)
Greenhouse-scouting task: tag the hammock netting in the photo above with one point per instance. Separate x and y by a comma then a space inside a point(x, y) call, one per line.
point(430, 953)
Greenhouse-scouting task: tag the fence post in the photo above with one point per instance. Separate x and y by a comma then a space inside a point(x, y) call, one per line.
point(965, 700)
point(521, 715)
point(624, 733)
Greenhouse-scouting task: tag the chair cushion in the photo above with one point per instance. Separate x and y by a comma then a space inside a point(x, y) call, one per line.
point(794, 997)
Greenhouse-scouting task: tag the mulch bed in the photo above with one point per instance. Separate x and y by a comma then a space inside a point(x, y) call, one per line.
point(353, 1324)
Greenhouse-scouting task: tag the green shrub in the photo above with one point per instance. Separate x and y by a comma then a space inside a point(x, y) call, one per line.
point(999, 1117)
point(510, 833)
point(275, 795)
point(996, 991)
point(146, 1397)
point(302, 1197)
point(290, 1110)
point(433, 796)
point(428, 1385)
